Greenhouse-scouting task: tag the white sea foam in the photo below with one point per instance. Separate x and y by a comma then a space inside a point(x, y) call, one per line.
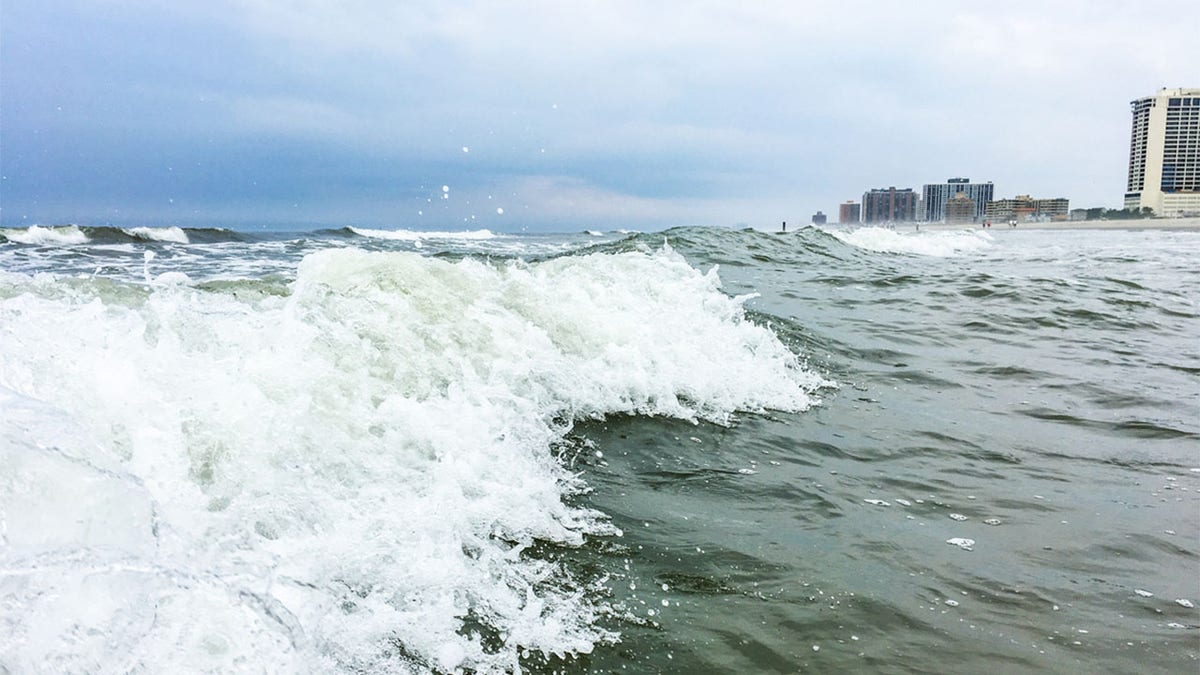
point(415, 235)
point(46, 236)
point(939, 243)
point(174, 235)
point(334, 480)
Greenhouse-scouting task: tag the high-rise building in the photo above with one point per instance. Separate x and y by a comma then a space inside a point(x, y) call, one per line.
point(818, 218)
point(1164, 153)
point(889, 205)
point(934, 197)
point(850, 213)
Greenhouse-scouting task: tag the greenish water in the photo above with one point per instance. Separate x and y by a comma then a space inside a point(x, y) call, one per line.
point(438, 484)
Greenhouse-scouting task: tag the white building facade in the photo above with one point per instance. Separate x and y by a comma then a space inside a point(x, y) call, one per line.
point(1164, 153)
point(934, 197)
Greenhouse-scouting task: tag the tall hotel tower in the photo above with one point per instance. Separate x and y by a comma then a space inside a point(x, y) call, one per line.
point(935, 196)
point(1164, 153)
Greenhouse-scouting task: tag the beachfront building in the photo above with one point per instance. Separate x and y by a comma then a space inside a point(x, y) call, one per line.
point(1164, 153)
point(849, 213)
point(935, 196)
point(889, 205)
point(819, 218)
point(961, 209)
point(1024, 208)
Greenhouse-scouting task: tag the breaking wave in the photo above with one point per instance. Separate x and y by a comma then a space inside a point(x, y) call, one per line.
point(936, 243)
point(417, 235)
point(76, 235)
point(356, 475)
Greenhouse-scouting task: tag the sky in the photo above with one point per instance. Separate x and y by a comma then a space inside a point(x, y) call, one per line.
point(559, 116)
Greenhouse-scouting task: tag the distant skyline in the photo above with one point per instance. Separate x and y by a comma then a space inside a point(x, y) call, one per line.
point(560, 116)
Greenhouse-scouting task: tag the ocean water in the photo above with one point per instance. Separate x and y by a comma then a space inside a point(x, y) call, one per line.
point(699, 450)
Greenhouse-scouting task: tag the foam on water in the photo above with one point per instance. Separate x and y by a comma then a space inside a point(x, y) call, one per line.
point(173, 235)
point(349, 477)
point(46, 236)
point(414, 235)
point(937, 243)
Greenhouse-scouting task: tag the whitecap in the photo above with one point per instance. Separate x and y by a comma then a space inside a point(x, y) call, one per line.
point(938, 244)
point(417, 235)
point(174, 235)
point(359, 464)
point(46, 236)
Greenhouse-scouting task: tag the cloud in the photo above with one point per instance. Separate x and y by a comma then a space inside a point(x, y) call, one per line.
point(676, 110)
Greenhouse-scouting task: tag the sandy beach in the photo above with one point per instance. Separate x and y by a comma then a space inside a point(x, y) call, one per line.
point(1144, 224)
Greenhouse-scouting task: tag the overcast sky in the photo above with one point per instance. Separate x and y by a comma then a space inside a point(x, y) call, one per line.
point(562, 115)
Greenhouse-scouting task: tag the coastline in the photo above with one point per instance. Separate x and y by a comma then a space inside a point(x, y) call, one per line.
point(1141, 224)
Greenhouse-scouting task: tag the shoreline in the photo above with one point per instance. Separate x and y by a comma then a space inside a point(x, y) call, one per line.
point(1141, 224)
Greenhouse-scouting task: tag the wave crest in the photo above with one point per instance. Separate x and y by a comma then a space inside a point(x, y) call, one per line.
point(174, 235)
point(417, 235)
point(356, 473)
point(939, 244)
point(46, 236)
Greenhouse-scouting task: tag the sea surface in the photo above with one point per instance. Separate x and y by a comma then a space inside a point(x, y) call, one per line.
point(690, 451)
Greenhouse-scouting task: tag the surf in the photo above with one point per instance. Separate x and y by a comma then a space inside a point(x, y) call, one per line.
point(357, 473)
